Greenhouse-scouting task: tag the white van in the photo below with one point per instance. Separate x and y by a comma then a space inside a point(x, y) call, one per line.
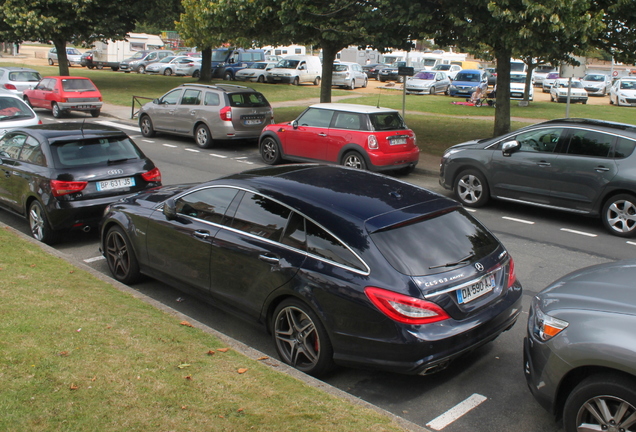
point(296, 69)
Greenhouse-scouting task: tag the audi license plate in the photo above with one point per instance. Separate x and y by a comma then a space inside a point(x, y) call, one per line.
point(476, 290)
point(115, 184)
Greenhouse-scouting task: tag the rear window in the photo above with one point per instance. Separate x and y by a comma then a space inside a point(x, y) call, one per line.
point(340, 68)
point(427, 245)
point(252, 100)
point(24, 76)
point(95, 151)
point(77, 85)
point(468, 77)
point(387, 121)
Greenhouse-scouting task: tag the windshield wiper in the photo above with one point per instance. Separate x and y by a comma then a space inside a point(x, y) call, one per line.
point(452, 264)
point(116, 161)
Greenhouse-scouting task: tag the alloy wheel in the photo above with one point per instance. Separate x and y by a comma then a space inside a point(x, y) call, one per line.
point(297, 338)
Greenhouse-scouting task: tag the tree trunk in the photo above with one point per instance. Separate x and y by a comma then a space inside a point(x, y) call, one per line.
point(502, 107)
point(205, 74)
point(528, 86)
point(60, 47)
point(328, 57)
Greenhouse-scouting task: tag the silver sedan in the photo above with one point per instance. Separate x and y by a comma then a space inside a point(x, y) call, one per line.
point(168, 65)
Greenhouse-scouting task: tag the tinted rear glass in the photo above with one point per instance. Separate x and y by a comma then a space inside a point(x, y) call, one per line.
point(248, 100)
point(447, 238)
point(77, 85)
point(387, 121)
point(100, 151)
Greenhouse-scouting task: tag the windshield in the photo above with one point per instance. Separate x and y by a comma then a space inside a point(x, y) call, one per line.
point(219, 55)
point(575, 84)
point(594, 78)
point(442, 67)
point(517, 67)
point(429, 76)
point(13, 108)
point(25, 76)
point(553, 75)
point(387, 121)
point(77, 85)
point(468, 77)
point(287, 64)
point(517, 78)
point(259, 66)
point(94, 151)
point(429, 62)
point(167, 59)
point(139, 55)
point(628, 85)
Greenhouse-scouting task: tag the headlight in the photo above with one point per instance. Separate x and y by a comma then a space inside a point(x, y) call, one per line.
point(450, 152)
point(544, 326)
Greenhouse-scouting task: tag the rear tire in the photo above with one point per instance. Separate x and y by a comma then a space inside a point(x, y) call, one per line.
point(141, 69)
point(95, 113)
point(51, 63)
point(317, 81)
point(260, 79)
point(120, 256)
point(619, 215)
point(27, 101)
point(471, 188)
point(39, 224)
point(352, 86)
point(228, 76)
point(196, 74)
point(57, 111)
point(354, 160)
point(203, 137)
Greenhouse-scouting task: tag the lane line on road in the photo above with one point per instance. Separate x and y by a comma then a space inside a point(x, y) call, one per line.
point(118, 125)
point(90, 260)
point(218, 156)
point(579, 232)
point(169, 145)
point(456, 412)
point(148, 141)
point(518, 220)
point(631, 243)
point(192, 150)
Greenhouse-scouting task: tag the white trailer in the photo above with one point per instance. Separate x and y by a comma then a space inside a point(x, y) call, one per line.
point(110, 54)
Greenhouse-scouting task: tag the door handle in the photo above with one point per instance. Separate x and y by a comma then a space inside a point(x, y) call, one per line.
point(322, 134)
point(193, 112)
point(202, 234)
point(601, 169)
point(543, 164)
point(269, 259)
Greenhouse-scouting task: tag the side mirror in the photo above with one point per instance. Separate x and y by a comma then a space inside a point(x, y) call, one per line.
point(169, 209)
point(156, 101)
point(508, 148)
point(295, 124)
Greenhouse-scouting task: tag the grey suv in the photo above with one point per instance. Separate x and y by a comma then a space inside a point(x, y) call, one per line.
point(209, 113)
point(141, 59)
point(582, 166)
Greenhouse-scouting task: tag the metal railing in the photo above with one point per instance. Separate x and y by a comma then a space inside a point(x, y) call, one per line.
point(136, 101)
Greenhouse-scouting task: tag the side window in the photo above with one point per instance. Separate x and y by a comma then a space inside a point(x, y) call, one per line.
point(316, 118)
point(624, 147)
point(261, 216)
point(541, 140)
point(32, 152)
point(212, 99)
point(346, 120)
point(11, 145)
point(171, 98)
point(590, 143)
point(191, 97)
point(323, 244)
point(151, 57)
point(208, 204)
point(295, 234)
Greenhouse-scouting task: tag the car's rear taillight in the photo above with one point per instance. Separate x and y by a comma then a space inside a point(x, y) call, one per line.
point(226, 113)
point(9, 86)
point(405, 309)
point(154, 175)
point(512, 276)
point(59, 187)
point(372, 142)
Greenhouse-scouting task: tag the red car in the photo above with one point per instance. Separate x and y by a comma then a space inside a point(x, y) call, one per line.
point(358, 136)
point(61, 94)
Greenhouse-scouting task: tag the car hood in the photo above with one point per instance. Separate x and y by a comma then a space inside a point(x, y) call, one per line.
point(627, 92)
point(605, 287)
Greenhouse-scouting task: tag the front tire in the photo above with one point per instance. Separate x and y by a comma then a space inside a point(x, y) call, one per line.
point(296, 81)
point(619, 215)
point(141, 69)
point(167, 72)
point(301, 339)
point(317, 81)
point(39, 224)
point(270, 151)
point(203, 137)
point(261, 79)
point(228, 76)
point(51, 62)
point(147, 129)
point(354, 160)
point(471, 188)
point(120, 256)
point(352, 85)
point(601, 402)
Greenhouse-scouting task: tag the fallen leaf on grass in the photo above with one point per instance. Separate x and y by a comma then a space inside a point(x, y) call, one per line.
point(211, 352)
point(185, 323)
point(240, 410)
point(184, 407)
point(32, 265)
point(63, 354)
point(72, 271)
point(94, 378)
point(183, 365)
point(223, 349)
point(263, 358)
point(73, 387)
point(242, 370)
point(188, 377)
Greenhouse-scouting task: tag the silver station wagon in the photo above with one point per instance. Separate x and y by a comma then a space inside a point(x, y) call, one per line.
point(208, 113)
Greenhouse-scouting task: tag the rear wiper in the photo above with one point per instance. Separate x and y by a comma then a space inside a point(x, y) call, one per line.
point(116, 161)
point(451, 264)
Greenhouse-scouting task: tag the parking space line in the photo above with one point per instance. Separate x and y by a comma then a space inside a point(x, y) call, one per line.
point(518, 220)
point(631, 243)
point(456, 412)
point(579, 232)
point(118, 125)
point(147, 140)
point(218, 156)
point(90, 260)
point(192, 150)
point(244, 161)
point(169, 145)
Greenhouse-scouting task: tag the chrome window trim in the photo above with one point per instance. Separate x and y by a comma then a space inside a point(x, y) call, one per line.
point(365, 272)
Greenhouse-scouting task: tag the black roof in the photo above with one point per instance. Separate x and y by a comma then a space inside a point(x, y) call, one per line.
point(68, 131)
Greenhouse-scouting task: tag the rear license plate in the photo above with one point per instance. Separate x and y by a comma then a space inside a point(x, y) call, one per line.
point(115, 184)
point(476, 290)
point(84, 106)
point(253, 122)
point(397, 141)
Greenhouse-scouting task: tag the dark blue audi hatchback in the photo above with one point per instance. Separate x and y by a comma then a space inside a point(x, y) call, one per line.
point(343, 267)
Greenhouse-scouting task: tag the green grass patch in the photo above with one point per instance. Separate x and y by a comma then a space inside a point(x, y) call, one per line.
point(80, 355)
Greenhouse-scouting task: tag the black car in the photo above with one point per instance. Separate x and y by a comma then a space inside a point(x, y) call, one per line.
point(583, 166)
point(372, 70)
point(390, 73)
point(342, 266)
point(62, 176)
point(580, 352)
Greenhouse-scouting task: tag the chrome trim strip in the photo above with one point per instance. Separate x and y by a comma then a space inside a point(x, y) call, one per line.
point(465, 284)
point(542, 205)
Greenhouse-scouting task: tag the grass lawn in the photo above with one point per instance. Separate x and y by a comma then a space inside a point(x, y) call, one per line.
point(80, 355)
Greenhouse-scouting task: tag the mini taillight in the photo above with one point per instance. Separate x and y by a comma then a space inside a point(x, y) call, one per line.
point(59, 187)
point(9, 87)
point(226, 113)
point(154, 175)
point(372, 142)
point(405, 309)
point(512, 276)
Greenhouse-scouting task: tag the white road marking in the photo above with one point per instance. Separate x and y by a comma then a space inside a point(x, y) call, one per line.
point(470, 210)
point(90, 260)
point(518, 220)
point(169, 145)
point(218, 155)
point(241, 157)
point(579, 232)
point(192, 150)
point(148, 141)
point(244, 161)
point(456, 412)
point(118, 125)
point(631, 243)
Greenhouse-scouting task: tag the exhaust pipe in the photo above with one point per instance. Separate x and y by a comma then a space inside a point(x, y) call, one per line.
point(86, 228)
